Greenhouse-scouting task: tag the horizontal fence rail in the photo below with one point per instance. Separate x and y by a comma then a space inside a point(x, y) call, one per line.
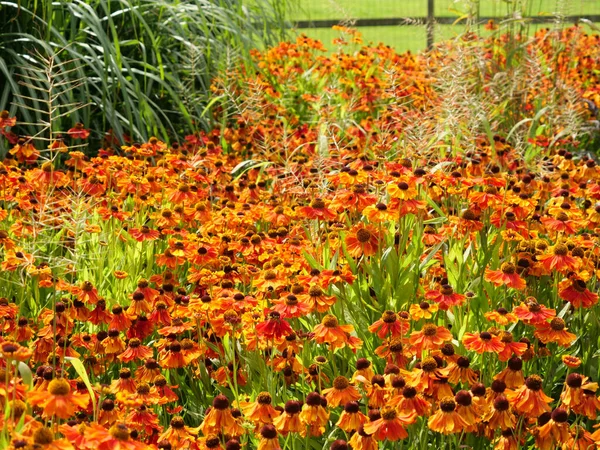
point(408, 21)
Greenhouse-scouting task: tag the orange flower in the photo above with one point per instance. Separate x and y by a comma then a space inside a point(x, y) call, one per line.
point(182, 194)
point(289, 421)
point(12, 351)
point(391, 425)
point(43, 439)
point(501, 316)
point(178, 434)
point(575, 291)
point(139, 304)
point(499, 416)
point(446, 419)
point(58, 400)
point(376, 392)
point(423, 378)
point(430, 337)
point(571, 361)
point(555, 331)
point(410, 401)
point(329, 331)
point(341, 393)
point(561, 224)
point(317, 210)
point(351, 418)
point(269, 440)
point(118, 437)
point(361, 440)
point(362, 240)
point(78, 132)
point(317, 299)
point(460, 371)
point(423, 310)
point(555, 432)
point(530, 399)
point(135, 350)
point(579, 439)
point(86, 293)
point(314, 415)
point(171, 357)
point(291, 307)
point(6, 120)
point(512, 376)
point(510, 347)
point(364, 369)
point(559, 259)
point(576, 394)
point(143, 233)
point(260, 412)
point(220, 420)
point(274, 327)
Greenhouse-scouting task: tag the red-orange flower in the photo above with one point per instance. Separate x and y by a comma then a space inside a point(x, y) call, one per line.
point(506, 276)
point(389, 325)
point(532, 313)
point(445, 297)
point(575, 291)
point(554, 331)
point(483, 342)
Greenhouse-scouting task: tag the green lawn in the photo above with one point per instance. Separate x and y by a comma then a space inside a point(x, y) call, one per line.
point(413, 38)
point(353, 9)
point(401, 38)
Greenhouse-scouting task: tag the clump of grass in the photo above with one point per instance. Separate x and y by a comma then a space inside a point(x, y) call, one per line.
point(143, 68)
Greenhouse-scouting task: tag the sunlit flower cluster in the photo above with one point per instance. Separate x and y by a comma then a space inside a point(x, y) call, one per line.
point(275, 283)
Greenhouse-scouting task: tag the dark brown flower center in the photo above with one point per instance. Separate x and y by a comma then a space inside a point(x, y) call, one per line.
point(501, 403)
point(119, 431)
point(363, 236)
point(330, 321)
point(264, 398)
point(561, 250)
point(533, 383)
point(429, 365)
point(508, 268)
point(448, 405)
point(340, 383)
point(388, 413)
point(389, 317)
point(429, 330)
point(557, 324)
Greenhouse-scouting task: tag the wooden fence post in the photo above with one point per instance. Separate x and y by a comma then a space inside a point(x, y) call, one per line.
point(430, 22)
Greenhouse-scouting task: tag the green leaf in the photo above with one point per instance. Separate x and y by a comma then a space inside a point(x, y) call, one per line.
point(25, 373)
point(80, 369)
